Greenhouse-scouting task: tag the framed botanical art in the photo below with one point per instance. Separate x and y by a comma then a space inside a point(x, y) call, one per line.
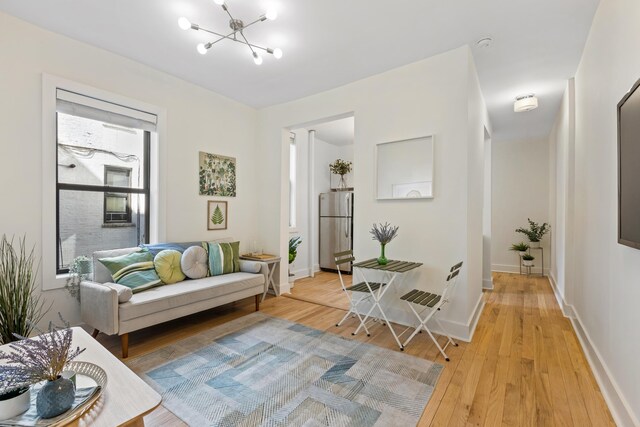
point(217, 175)
point(217, 215)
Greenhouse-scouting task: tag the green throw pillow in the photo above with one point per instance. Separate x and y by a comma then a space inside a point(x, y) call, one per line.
point(224, 258)
point(135, 270)
point(167, 264)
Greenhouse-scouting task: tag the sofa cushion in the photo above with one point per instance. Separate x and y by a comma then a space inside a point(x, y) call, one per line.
point(100, 272)
point(224, 258)
point(166, 297)
point(134, 270)
point(156, 248)
point(195, 263)
point(167, 264)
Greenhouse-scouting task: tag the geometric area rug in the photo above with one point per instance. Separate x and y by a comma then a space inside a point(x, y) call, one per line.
point(264, 371)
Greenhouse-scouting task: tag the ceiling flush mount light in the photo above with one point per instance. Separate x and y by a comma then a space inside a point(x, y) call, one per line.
point(525, 103)
point(236, 35)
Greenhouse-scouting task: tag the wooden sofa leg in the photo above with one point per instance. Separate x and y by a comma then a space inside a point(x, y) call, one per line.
point(257, 302)
point(124, 340)
point(95, 333)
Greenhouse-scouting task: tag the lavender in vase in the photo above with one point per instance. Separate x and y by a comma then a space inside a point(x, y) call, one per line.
point(383, 233)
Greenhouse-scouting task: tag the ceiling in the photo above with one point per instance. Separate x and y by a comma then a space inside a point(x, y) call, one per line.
point(339, 132)
point(329, 43)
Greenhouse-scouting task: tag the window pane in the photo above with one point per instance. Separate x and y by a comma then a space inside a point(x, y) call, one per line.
point(118, 178)
point(83, 230)
point(86, 147)
point(116, 204)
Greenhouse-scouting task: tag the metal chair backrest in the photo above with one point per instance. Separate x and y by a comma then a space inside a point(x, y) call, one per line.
point(343, 258)
point(452, 280)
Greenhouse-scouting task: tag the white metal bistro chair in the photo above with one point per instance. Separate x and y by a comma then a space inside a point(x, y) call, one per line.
point(357, 293)
point(431, 304)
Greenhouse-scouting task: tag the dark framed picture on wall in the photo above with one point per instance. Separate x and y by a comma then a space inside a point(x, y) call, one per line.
point(217, 215)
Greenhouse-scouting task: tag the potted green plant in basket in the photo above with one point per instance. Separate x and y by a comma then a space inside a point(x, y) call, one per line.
point(33, 360)
point(383, 233)
point(535, 232)
point(527, 260)
point(341, 167)
point(521, 248)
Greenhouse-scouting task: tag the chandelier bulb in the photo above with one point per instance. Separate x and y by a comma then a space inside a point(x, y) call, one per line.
point(271, 14)
point(219, 2)
point(257, 58)
point(184, 23)
point(277, 53)
point(202, 49)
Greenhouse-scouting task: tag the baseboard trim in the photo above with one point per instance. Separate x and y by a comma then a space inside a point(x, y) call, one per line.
point(507, 268)
point(487, 284)
point(619, 406)
point(567, 309)
point(463, 331)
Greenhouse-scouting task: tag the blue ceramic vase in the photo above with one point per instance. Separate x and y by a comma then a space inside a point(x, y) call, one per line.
point(55, 397)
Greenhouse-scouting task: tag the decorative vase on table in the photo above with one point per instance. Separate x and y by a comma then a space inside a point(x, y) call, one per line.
point(383, 233)
point(342, 184)
point(55, 397)
point(382, 259)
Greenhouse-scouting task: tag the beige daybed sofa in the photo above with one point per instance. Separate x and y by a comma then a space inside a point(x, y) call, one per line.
point(113, 309)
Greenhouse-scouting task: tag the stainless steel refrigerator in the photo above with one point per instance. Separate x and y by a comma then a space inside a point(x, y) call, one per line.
point(336, 228)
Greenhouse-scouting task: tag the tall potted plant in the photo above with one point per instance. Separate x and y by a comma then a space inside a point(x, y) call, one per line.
point(21, 306)
point(535, 232)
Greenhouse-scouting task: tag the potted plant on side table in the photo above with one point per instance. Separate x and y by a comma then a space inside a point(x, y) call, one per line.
point(535, 232)
point(527, 260)
point(521, 248)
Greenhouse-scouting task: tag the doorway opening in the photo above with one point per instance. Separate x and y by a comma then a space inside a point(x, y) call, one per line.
point(321, 206)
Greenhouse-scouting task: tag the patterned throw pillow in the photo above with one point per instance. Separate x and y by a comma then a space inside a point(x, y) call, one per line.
point(224, 258)
point(135, 270)
point(167, 264)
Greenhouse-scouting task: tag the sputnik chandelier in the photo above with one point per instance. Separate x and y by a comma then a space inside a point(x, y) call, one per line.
point(237, 34)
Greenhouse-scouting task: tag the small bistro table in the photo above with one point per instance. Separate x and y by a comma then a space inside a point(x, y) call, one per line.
point(272, 262)
point(394, 271)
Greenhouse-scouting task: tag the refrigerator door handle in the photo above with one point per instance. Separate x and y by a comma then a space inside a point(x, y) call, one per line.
point(347, 216)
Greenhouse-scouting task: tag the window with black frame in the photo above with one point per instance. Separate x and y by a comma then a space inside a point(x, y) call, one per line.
point(103, 188)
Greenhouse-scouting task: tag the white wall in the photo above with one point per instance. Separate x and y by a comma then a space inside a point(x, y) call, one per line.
point(603, 288)
point(520, 190)
point(198, 120)
point(429, 97)
point(561, 192)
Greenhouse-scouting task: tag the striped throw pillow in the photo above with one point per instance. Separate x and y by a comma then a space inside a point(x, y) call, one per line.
point(135, 270)
point(224, 258)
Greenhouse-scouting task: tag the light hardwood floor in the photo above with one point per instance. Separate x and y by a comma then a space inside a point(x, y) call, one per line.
point(323, 289)
point(524, 367)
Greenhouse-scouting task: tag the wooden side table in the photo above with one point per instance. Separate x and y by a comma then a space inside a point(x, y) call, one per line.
point(272, 262)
